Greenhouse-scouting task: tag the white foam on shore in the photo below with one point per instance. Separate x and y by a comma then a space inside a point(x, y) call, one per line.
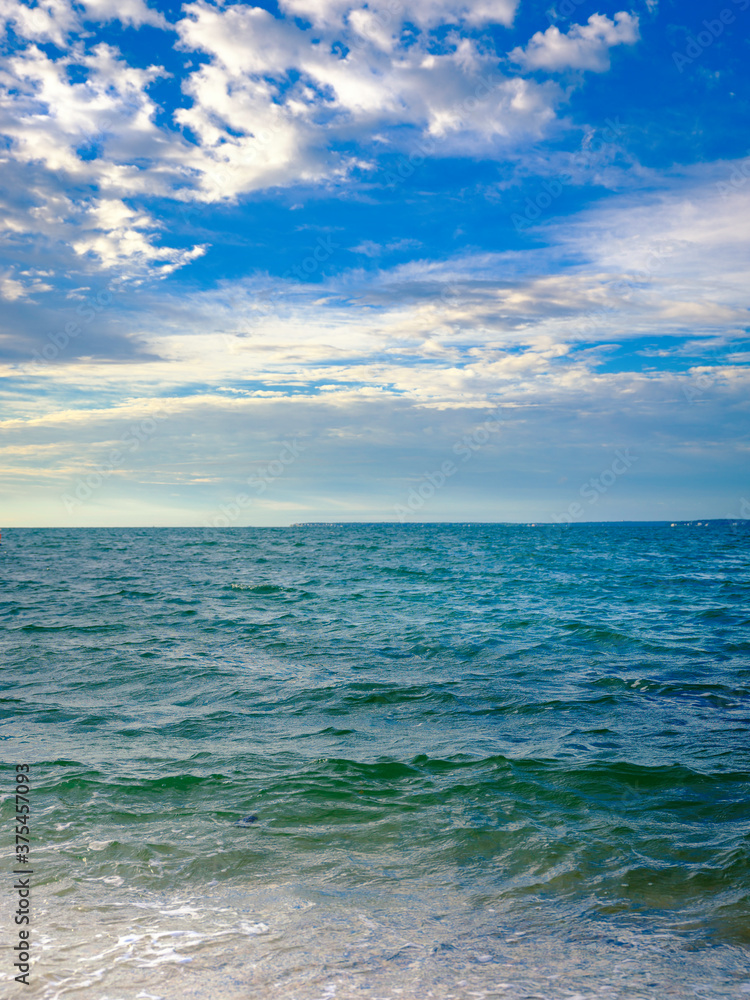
point(298, 943)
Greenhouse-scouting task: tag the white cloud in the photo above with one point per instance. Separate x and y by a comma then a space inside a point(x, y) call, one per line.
point(50, 117)
point(361, 451)
point(274, 101)
point(133, 12)
point(270, 108)
point(48, 21)
point(693, 234)
point(644, 271)
point(23, 285)
point(55, 20)
point(371, 249)
point(440, 332)
point(274, 98)
point(583, 47)
point(122, 238)
point(425, 13)
point(11, 289)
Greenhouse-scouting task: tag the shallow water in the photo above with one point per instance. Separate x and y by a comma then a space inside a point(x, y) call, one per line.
point(486, 760)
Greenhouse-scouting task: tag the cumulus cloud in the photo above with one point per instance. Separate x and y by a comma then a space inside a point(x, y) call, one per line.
point(274, 100)
point(275, 104)
point(52, 117)
point(585, 46)
point(425, 13)
point(132, 12)
point(120, 238)
point(78, 124)
point(48, 21)
point(55, 20)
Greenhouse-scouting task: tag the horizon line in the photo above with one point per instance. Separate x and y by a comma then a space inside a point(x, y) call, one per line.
point(398, 524)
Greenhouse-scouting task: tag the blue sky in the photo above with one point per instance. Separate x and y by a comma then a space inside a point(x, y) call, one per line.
point(318, 260)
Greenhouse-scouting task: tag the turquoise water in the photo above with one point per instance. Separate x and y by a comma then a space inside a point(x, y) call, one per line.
point(485, 760)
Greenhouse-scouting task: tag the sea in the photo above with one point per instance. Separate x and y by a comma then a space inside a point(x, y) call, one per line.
point(382, 761)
